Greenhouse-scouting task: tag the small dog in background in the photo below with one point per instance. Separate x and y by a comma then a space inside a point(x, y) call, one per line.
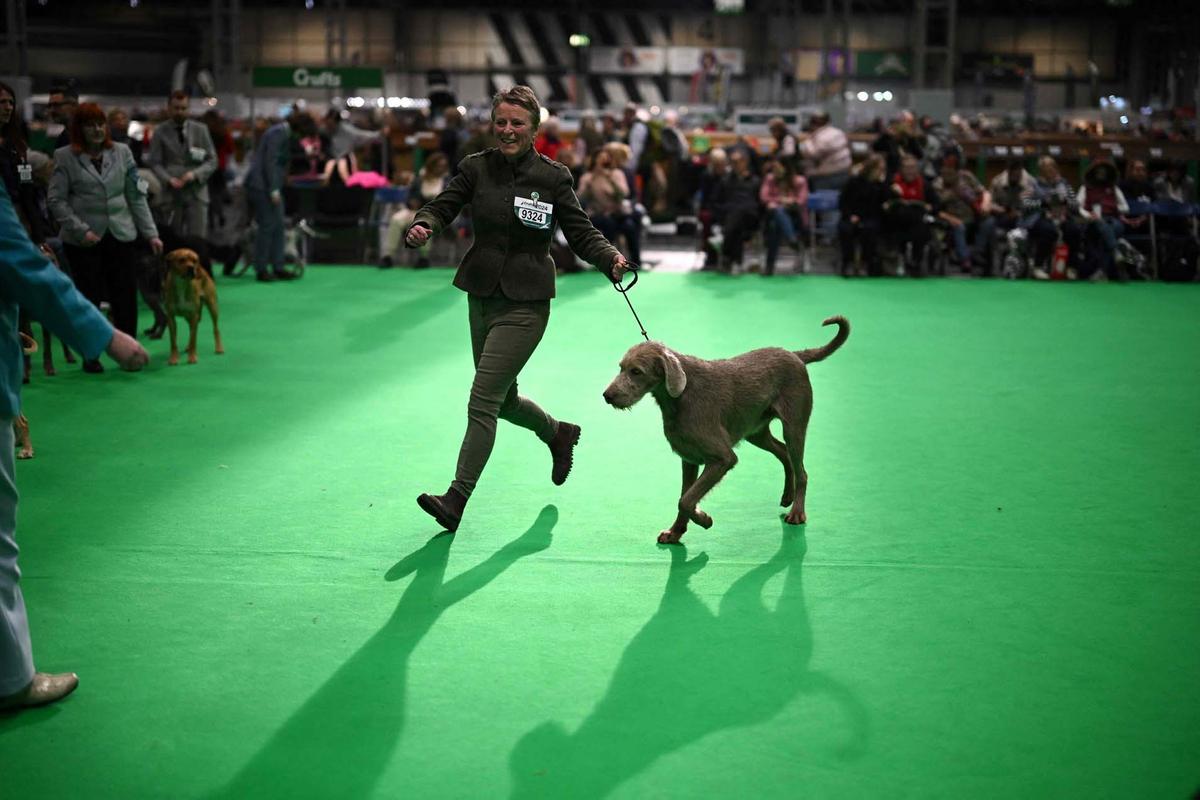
point(29, 346)
point(187, 290)
point(708, 407)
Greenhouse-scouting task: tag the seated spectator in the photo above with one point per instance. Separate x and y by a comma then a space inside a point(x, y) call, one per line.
point(784, 196)
point(963, 204)
point(861, 209)
point(1058, 219)
point(1175, 184)
point(913, 199)
point(1102, 204)
point(1013, 195)
point(737, 208)
point(602, 192)
point(718, 168)
point(426, 185)
point(1137, 187)
point(622, 159)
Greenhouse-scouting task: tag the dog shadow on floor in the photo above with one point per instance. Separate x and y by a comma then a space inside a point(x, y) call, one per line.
point(687, 674)
point(339, 743)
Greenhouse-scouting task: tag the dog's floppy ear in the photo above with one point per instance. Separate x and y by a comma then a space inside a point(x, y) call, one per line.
point(673, 371)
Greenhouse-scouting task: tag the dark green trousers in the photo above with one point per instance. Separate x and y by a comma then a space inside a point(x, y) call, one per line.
point(504, 334)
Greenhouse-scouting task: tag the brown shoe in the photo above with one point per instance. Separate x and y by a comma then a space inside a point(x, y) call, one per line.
point(43, 689)
point(561, 448)
point(446, 508)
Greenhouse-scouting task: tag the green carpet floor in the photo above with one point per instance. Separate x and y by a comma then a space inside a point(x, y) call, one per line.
point(996, 594)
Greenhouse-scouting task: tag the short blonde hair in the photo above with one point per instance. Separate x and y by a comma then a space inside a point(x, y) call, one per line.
point(523, 97)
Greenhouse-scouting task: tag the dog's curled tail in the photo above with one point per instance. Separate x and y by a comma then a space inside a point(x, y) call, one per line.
point(824, 351)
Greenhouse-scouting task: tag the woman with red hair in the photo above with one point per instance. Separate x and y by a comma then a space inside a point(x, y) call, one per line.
point(100, 204)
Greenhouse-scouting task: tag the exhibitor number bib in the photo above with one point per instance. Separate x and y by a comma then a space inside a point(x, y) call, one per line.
point(532, 213)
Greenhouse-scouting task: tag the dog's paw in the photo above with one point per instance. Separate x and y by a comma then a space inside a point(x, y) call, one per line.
point(26, 452)
point(220, 351)
point(49, 370)
point(796, 518)
point(173, 361)
point(669, 537)
point(702, 519)
point(191, 358)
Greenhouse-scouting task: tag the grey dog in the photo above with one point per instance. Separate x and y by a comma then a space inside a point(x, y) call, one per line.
point(710, 406)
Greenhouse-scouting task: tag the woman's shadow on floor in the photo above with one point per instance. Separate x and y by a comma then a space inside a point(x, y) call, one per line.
point(341, 740)
point(687, 674)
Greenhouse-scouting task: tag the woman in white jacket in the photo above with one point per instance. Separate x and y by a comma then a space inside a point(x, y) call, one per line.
point(100, 204)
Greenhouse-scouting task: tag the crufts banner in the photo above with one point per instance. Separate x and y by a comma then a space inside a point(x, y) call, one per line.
point(690, 60)
point(629, 60)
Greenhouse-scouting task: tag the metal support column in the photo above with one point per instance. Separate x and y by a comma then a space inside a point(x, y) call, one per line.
point(935, 30)
point(17, 38)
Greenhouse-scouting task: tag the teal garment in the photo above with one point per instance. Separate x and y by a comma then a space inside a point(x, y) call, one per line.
point(29, 280)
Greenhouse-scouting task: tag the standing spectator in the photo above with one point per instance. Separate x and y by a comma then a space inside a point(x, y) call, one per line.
point(786, 147)
point(183, 157)
point(964, 205)
point(264, 191)
point(63, 100)
point(481, 138)
point(826, 154)
point(784, 195)
point(118, 129)
point(99, 202)
point(18, 173)
point(861, 207)
point(676, 164)
point(218, 182)
point(27, 279)
point(737, 207)
point(452, 137)
point(344, 138)
point(1102, 204)
point(636, 134)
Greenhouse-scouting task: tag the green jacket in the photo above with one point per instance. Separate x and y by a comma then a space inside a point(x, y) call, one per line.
point(514, 207)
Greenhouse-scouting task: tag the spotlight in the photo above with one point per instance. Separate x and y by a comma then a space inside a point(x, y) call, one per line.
point(863, 96)
point(887, 96)
point(308, 5)
point(1124, 120)
point(877, 97)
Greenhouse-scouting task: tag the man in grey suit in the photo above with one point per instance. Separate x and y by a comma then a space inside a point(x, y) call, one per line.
point(264, 191)
point(183, 157)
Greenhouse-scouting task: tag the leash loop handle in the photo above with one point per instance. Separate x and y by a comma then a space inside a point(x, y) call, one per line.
point(623, 288)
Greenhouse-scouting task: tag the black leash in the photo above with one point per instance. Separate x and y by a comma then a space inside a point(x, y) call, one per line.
point(631, 269)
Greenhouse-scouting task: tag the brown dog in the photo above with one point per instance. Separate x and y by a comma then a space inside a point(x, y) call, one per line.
point(188, 290)
point(708, 407)
point(21, 423)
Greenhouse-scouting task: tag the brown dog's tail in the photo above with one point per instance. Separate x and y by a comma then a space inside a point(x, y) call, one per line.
point(824, 351)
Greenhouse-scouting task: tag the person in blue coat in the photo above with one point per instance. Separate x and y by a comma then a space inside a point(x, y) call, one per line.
point(28, 280)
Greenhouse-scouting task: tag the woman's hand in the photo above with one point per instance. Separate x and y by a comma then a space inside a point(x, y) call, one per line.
point(156, 246)
point(417, 236)
point(90, 238)
point(126, 351)
point(619, 267)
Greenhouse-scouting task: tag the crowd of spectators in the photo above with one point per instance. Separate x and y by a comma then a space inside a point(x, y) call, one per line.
point(227, 187)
